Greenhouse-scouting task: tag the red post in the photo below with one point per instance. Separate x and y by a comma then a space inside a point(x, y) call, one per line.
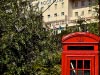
point(99, 33)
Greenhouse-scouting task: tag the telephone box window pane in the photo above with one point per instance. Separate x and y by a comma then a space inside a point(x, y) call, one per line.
point(86, 72)
point(79, 64)
point(80, 47)
point(87, 64)
point(72, 72)
point(73, 64)
point(80, 72)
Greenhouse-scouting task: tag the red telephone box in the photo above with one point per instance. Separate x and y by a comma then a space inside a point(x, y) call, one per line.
point(80, 55)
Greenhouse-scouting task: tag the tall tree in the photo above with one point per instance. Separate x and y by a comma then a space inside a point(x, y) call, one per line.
point(26, 48)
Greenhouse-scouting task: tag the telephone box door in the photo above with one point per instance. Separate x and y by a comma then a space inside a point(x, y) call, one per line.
point(80, 65)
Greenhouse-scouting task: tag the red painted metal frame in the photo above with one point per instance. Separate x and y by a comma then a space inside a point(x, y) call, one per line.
point(80, 39)
point(91, 58)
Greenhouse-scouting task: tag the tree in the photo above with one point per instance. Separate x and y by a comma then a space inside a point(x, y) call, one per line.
point(26, 48)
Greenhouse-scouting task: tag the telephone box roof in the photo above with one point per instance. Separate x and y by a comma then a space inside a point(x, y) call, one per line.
point(82, 34)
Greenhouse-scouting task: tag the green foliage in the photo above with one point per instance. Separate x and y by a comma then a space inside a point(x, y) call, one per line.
point(93, 28)
point(26, 48)
point(69, 30)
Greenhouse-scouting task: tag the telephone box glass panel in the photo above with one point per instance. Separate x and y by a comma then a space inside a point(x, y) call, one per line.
point(80, 67)
point(80, 47)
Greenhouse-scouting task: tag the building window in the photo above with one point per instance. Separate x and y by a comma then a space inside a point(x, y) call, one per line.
point(76, 4)
point(82, 3)
point(55, 6)
point(55, 15)
point(48, 16)
point(62, 13)
point(82, 14)
point(76, 14)
point(63, 5)
point(89, 2)
point(89, 11)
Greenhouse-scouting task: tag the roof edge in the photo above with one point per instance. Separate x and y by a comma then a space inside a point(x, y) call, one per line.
point(87, 34)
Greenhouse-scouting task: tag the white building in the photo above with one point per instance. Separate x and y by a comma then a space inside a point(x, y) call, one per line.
point(59, 13)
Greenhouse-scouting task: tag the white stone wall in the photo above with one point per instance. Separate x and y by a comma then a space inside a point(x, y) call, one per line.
point(53, 15)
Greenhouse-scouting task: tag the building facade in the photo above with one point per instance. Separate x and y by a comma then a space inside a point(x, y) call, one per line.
point(57, 14)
